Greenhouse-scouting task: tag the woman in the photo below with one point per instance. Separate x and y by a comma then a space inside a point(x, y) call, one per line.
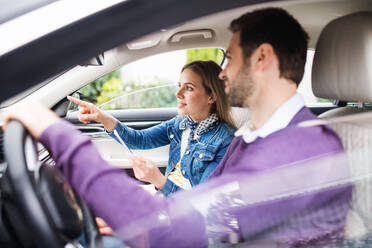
point(198, 136)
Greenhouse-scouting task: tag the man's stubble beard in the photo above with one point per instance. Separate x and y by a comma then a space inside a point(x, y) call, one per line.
point(241, 88)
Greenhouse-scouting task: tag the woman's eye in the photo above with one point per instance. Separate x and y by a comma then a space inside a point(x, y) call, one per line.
point(189, 88)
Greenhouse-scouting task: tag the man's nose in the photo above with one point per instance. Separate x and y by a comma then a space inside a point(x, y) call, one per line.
point(222, 75)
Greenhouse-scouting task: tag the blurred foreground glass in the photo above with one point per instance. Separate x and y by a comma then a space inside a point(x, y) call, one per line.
point(297, 205)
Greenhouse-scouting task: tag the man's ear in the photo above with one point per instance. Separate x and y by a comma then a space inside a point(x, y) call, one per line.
point(263, 56)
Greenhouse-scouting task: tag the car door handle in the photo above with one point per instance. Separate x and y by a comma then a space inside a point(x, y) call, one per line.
point(93, 132)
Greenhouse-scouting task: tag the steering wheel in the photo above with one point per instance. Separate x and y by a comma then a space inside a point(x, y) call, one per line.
point(38, 205)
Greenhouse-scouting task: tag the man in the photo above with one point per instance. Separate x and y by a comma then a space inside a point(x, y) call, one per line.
point(252, 196)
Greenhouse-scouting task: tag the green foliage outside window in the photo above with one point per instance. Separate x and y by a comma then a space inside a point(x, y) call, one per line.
point(102, 91)
point(92, 91)
point(161, 97)
point(323, 100)
point(152, 95)
point(214, 54)
point(110, 90)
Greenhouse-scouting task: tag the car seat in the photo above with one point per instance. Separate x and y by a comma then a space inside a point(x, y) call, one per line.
point(240, 116)
point(342, 70)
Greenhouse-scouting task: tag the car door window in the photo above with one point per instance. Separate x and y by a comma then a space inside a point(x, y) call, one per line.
point(146, 83)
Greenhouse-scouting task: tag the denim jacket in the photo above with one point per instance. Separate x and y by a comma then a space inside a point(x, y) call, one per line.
point(202, 154)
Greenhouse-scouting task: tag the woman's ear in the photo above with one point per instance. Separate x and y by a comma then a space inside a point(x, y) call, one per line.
point(211, 99)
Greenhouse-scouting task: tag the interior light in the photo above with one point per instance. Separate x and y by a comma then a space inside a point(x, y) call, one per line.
point(136, 45)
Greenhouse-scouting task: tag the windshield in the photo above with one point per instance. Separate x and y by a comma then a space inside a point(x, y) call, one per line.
point(17, 8)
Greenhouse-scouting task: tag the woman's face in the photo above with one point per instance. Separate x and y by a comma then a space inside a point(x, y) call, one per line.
point(192, 97)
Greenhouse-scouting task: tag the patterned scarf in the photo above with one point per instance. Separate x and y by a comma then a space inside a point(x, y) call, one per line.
point(199, 127)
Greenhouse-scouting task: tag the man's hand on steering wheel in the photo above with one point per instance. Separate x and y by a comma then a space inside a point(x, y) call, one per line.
point(37, 193)
point(35, 117)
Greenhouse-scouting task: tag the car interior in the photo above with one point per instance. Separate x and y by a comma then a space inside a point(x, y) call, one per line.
point(208, 31)
point(340, 34)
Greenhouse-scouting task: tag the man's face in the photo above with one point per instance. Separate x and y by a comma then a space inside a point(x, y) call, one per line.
point(239, 84)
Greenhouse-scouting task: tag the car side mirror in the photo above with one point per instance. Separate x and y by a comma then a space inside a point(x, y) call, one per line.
point(64, 105)
point(61, 107)
point(73, 106)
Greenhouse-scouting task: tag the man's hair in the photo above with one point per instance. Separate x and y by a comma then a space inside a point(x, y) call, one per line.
point(279, 29)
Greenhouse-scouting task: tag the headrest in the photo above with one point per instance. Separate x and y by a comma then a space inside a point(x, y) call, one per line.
point(240, 116)
point(342, 66)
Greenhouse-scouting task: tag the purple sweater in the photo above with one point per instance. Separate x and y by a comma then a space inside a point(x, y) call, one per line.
point(239, 200)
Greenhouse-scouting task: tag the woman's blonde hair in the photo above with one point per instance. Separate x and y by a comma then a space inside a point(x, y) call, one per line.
point(209, 71)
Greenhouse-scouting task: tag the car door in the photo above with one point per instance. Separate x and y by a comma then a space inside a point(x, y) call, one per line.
point(112, 151)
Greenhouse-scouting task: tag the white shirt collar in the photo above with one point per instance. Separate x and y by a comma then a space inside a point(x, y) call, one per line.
point(279, 120)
